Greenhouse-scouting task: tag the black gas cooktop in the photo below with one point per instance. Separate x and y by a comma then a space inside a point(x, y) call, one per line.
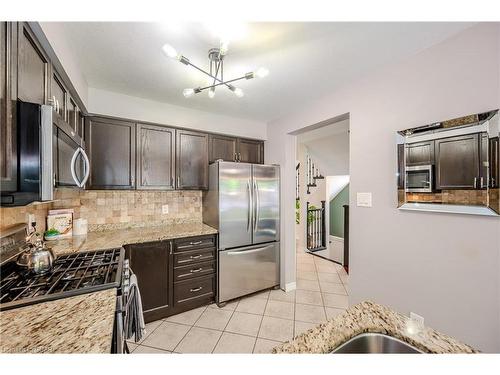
point(71, 275)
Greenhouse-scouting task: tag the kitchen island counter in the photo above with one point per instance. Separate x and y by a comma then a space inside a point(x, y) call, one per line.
point(80, 324)
point(369, 317)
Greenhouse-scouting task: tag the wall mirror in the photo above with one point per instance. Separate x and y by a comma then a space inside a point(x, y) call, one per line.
point(450, 166)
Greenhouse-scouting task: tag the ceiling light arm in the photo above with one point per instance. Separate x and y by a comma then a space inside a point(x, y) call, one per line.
point(186, 61)
point(231, 87)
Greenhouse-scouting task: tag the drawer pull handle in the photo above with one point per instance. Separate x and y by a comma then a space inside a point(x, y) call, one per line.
point(196, 270)
point(192, 290)
point(196, 243)
point(195, 256)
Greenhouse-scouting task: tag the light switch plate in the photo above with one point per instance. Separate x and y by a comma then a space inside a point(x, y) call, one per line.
point(364, 199)
point(164, 209)
point(30, 219)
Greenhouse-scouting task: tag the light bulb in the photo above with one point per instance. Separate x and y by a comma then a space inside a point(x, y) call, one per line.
point(224, 45)
point(211, 93)
point(239, 92)
point(261, 72)
point(170, 51)
point(188, 93)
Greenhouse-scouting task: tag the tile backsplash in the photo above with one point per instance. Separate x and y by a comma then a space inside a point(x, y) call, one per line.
point(114, 209)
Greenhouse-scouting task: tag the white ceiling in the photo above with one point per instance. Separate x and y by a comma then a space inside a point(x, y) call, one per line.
point(306, 60)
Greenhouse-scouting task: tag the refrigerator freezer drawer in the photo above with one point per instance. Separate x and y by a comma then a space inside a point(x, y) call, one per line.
point(247, 270)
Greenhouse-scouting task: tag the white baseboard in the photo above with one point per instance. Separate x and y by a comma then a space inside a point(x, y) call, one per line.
point(290, 286)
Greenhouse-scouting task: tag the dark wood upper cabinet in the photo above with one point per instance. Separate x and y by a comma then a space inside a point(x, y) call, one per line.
point(33, 68)
point(250, 151)
point(235, 149)
point(191, 160)
point(59, 96)
point(73, 115)
point(401, 166)
point(111, 148)
point(222, 147)
point(483, 160)
point(152, 264)
point(494, 160)
point(8, 96)
point(155, 157)
point(457, 162)
point(420, 153)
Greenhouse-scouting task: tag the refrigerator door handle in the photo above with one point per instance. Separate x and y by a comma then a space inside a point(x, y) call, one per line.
point(245, 252)
point(256, 206)
point(250, 204)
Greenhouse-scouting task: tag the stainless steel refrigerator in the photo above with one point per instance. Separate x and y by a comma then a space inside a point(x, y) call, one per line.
point(243, 204)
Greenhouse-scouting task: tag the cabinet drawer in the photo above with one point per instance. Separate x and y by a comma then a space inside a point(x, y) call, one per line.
point(194, 270)
point(192, 289)
point(194, 256)
point(186, 244)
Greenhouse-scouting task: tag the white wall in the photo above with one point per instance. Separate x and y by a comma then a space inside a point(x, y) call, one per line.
point(120, 105)
point(332, 154)
point(444, 267)
point(56, 36)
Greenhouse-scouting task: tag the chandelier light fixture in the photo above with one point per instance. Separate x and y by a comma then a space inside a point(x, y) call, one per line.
point(215, 72)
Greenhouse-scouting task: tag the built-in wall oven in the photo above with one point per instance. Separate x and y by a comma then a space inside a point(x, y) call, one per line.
point(419, 179)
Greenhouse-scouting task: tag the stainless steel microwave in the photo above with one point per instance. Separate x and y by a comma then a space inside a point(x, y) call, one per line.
point(49, 154)
point(419, 179)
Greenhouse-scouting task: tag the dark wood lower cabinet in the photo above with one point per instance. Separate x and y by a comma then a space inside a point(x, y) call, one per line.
point(175, 275)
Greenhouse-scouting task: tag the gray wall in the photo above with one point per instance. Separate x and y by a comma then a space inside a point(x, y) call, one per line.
point(444, 267)
point(337, 212)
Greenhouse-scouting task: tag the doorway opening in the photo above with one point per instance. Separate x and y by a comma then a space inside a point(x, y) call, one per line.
point(322, 191)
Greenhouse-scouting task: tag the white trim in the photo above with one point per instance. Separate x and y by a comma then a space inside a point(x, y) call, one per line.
point(290, 286)
point(336, 238)
point(449, 208)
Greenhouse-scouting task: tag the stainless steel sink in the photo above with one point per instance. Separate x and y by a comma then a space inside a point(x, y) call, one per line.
point(368, 343)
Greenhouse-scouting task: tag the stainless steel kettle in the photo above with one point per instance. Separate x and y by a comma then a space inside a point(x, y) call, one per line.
point(37, 257)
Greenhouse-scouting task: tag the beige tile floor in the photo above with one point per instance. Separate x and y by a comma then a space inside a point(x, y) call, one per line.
point(257, 323)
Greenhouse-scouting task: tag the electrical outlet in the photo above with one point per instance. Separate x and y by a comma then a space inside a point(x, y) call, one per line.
point(164, 209)
point(417, 318)
point(30, 219)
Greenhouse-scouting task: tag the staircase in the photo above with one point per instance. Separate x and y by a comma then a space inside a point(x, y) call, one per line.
point(312, 174)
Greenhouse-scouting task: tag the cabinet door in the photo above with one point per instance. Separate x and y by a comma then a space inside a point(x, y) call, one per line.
point(191, 160)
point(401, 166)
point(59, 96)
point(33, 68)
point(250, 151)
point(420, 153)
point(457, 162)
point(152, 264)
point(8, 159)
point(73, 115)
point(155, 157)
point(483, 160)
point(222, 147)
point(494, 161)
point(111, 149)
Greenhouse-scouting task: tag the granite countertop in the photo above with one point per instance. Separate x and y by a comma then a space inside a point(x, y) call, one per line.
point(80, 324)
point(84, 323)
point(118, 237)
point(374, 318)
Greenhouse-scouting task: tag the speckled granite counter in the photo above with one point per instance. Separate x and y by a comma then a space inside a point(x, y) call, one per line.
point(119, 237)
point(81, 324)
point(374, 318)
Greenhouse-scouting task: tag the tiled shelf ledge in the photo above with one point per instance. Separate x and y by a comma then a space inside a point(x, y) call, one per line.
point(449, 208)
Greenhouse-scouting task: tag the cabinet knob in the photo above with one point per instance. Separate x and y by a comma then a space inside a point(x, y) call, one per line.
point(192, 290)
